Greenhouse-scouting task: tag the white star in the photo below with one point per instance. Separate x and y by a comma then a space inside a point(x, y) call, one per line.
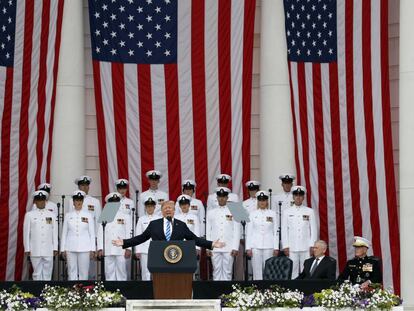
point(149, 53)
point(149, 18)
point(324, 42)
point(140, 27)
point(4, 10)
point(10, 2)
point(314, 43)
point(113, 16)
point(303, 43)
point(292, 7)
point(167, 53)
point(302, 8)
point(131, 35)
point(113, 51)
point(320, 53)
point(140, 10)
point(330, 51)
point(288, 51)
point(288, 15)
point(303, 25)
point(8, 38)
point(167, 35)
point(330, 15)
point(122, 26)
point(298, 52)
point(293, 42)
point(167, 1)
point(149, 35)
point(97, 32)
point(97, 15)
point(105, 7)
point(298, 34)
point(308, 16)
point(293, 24)
point(113, 34)
point(308, 52)
point(157, 44)
point(105, 25)
point(7, 55)
point(313, 25)
point(319, 16)
point(9, 20)
point(149, 1)
point(157, 9)
point(130, 18)
point(167, 18)
point(131, 1)
point(324, 25)
point(313, 8)
point(3, 28)
point(122, 43)
point(105, 42)
point(319, 34)
point(288, 33)
point(3, 46)
point(308, 34)
point(131, 52)
point(297, 16)
point(98, 50)
point(140, 44)
point(330, 33)
point(324, 7)
point(121, 9)
point(158, 27)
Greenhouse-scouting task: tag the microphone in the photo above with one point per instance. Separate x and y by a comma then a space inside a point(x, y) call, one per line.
point(169, 218)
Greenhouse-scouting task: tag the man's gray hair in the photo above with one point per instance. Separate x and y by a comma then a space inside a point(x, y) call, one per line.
point(322, 243)
point(167, 202)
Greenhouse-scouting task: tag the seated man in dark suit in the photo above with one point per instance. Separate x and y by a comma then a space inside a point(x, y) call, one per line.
point(167, 228)
point(362, 269)
point(319, 266)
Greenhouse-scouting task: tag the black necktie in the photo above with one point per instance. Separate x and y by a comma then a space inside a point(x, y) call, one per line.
point(314, 266)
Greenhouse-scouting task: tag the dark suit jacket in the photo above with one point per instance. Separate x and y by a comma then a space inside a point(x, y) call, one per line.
point(326, 269)
point(155, 231)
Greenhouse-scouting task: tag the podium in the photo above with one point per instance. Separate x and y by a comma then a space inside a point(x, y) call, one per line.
point(172, 264)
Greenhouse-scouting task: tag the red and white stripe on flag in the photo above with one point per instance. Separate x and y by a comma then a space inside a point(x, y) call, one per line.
point(27, 102)
point(190, 119)
point(343, 145)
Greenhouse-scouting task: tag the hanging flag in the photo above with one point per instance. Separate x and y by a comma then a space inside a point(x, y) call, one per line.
point(29, 53)
point(173, 86)
point(338, 66)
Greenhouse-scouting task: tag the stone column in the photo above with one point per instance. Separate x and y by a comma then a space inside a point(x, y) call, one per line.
point(276, 132)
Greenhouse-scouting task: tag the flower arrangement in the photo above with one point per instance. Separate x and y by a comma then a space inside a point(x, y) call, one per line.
point(15, 299)
point(342, 296)
point(250, 298)
point(80, 297)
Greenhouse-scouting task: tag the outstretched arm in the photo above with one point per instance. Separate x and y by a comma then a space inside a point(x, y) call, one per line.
point(136, 240)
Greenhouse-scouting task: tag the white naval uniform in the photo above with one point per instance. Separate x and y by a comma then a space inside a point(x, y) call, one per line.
point(285, 197)
point(298, 234)
point(142, 248)
point(40, 238)
point(191, 220)
point(250, 204)
point(78, 239)
point(50, 206)
point(262, 238)
point(212, 201)
point(220, 225)
point(115, 263)
point(159, 197)
point(196, 208)
point(127, 205)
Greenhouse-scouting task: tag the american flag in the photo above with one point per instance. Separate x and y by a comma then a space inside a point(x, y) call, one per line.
point(29, 53)
point(338, 66)
point(173, 90)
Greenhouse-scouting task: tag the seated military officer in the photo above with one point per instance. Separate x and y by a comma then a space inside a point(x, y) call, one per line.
point(363, 269)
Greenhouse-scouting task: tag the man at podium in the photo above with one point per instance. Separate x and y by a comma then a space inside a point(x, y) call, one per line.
point(167, 228)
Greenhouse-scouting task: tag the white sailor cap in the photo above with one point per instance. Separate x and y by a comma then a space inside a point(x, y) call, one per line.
point(262, 195)
point(184, 199)
point(252, 184)
point(299, 190)
point(84, 179)
point(189, 183)
point(153, 174)
point(45, 186)
point(150, 201)
point(78, 194)
point(361, 242)
point(40, 195)
point(122, 182)
point(222, 191)
point(223, 178)
point(287, 177)
point(113, 196)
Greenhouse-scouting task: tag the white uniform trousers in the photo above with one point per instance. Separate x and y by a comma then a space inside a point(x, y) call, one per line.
point(222, 266)
point(298, 258)
point(115, 268)
point(145, 274)
point(258, 261)
point(42, 268)
point(78, 265)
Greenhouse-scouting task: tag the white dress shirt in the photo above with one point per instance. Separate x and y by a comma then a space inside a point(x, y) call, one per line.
point(212, 201)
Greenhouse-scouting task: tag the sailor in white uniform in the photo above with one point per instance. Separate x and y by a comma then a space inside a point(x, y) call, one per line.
point(298, 231)
point(127, 205)
point(78, 238)
point(262, 237)
point(142, 249)
point(115, 265)
point(223, 180)
point(221, 226)
point(196, 206)
point(250, 204)
point(50, 206)
point(160, 196)
point(40, 237)
point(284, 198)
